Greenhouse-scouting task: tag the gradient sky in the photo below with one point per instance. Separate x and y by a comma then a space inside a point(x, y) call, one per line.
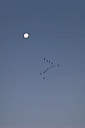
point(57, 32)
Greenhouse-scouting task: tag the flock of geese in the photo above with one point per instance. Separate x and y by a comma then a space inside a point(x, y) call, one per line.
point(51, 66)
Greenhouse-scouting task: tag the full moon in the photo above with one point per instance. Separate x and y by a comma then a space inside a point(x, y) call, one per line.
point(26, 35)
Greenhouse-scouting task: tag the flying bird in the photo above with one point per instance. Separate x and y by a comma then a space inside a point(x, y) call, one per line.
point(43, 77)
point(43, 71)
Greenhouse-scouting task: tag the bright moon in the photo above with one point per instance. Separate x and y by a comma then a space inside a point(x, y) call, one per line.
point(26, 35)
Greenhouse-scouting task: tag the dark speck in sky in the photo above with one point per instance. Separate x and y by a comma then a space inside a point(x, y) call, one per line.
point(43, 77)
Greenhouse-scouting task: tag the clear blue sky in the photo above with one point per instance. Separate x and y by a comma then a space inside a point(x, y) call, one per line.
point(57, 32)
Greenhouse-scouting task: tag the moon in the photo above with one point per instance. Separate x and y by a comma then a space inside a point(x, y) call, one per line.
point(26, 35)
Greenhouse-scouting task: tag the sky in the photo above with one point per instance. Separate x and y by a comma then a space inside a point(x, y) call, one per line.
point(57, 33)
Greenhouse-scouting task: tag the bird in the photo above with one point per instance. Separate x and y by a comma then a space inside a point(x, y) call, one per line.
point(58, 65)
point(44, 58)
point(43, 71)
point(43, 77)
point(40, 73)
point(49, 61)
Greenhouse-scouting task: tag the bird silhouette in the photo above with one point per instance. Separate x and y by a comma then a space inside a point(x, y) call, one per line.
point(43, 71)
